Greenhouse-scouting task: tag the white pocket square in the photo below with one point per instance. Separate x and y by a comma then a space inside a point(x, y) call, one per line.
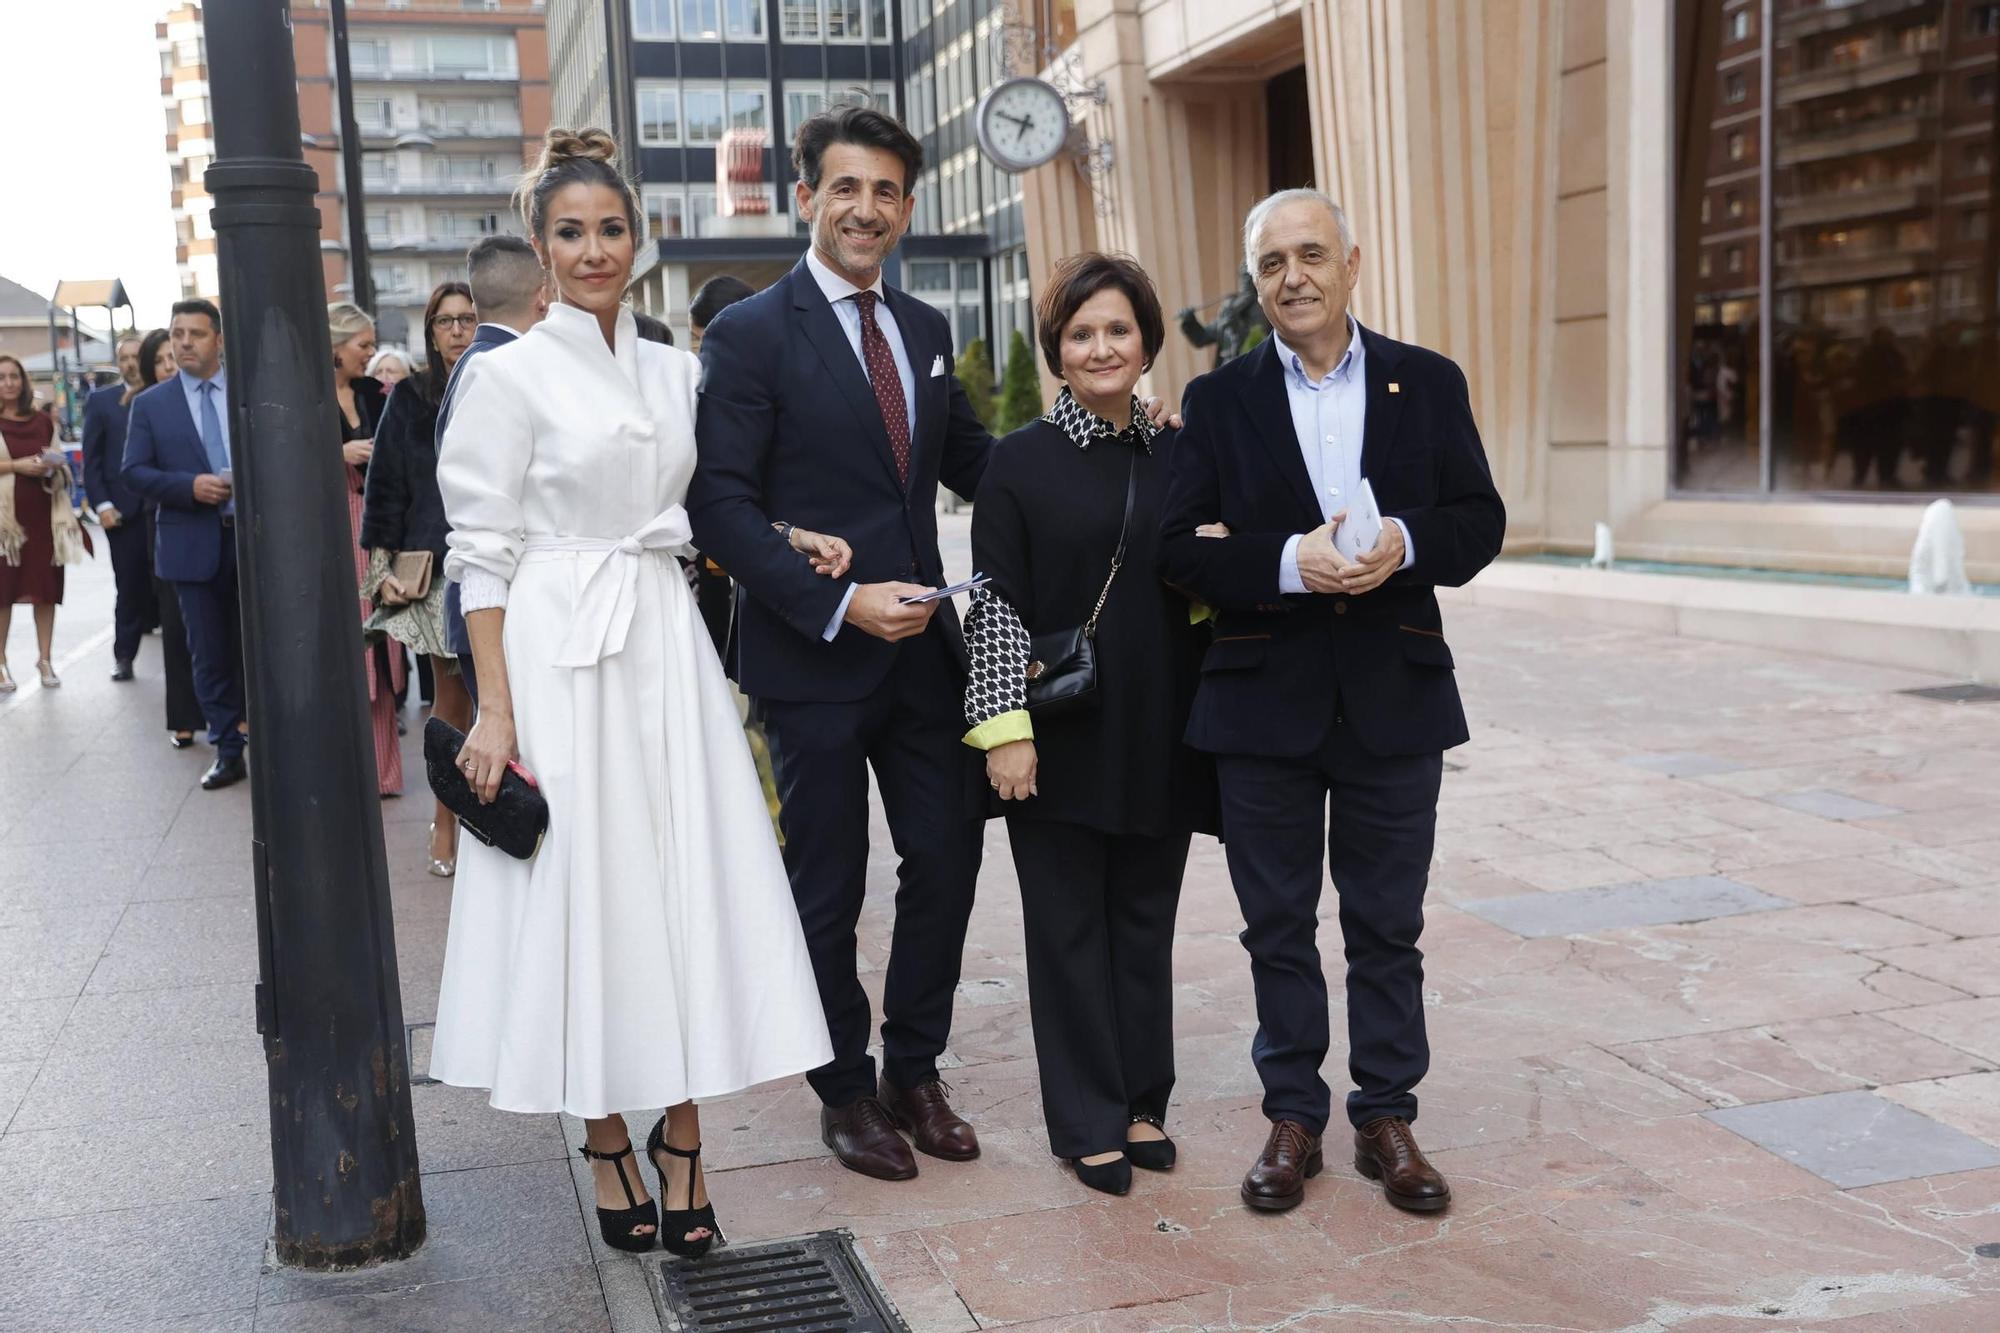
point(937, 366)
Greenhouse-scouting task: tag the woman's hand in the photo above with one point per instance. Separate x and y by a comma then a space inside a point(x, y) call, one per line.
point(488, 749)
point(358, 452)
point(830, 556)
point(35, 466)
point(392, 592)
point(1010, 769)
point(1212, 530)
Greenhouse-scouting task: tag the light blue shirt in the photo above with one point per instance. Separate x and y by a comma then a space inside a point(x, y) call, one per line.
point(839, 294)
point(191, 386)
point(1329, 417)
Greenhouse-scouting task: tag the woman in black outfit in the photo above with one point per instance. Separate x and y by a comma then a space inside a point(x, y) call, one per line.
point(1100, 804)
point(157, 366)
point(402, 512)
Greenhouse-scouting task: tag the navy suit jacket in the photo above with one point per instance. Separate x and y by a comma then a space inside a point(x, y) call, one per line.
point(1282, 668)
point(484, 339)
point(788, 430)
point(163, 456)
point(104, 422)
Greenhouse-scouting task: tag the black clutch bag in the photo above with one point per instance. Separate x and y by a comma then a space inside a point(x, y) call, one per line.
point(1062, 664)
point(515, 822)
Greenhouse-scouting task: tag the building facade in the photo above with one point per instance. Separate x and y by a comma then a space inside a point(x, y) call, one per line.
point(1589, 205)
point(190, 146)
point(448, 101)
point(705, 96)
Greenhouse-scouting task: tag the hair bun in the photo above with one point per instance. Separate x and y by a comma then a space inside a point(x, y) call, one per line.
point(592, 145)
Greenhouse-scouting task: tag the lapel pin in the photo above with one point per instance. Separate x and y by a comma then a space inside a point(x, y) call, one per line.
point(1395, 387)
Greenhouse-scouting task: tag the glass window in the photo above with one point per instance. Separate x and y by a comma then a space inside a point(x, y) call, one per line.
point(746, 109)
point(970, 318)
point(745, 18)
point(701, 212)
point(188, 51)
point(666, 211)
point(653, 19)
point(802, 103)
point(844, 22)
point(968, 275)
point(365, 56)
point(464, 54)
point(878, 21)
point(930, 275)
point(798, 20)
point(701, 19)
point(659, 114)
point(1846, 341)
point(701, 109)
point(194, 111)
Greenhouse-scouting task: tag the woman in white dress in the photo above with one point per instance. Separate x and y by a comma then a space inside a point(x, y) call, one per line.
point(649, 953)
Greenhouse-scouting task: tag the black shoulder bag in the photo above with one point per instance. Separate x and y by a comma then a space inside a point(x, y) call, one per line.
point(1062, 664)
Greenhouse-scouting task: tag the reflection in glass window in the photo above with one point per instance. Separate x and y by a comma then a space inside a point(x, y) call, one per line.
point(745, 18)
point(930, 275)
point(659, 115)
point(746, 109)
point(843, 21)
point(798, 20)
point(1878, 369)
point(701, 19)
point(653, 19)
point(701, 109)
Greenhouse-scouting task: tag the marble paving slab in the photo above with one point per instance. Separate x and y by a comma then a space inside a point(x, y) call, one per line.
point(1857, 1138)
point(1650, 902)
point(1833, 805)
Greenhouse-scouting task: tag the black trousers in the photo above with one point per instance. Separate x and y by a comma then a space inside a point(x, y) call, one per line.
point(908, 732)
point(137, 610)
point(1098, 912)
point(1378, 848)
point(214, 639)
point(183, 705)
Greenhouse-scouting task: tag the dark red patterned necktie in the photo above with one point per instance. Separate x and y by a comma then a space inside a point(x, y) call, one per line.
point(888, 385)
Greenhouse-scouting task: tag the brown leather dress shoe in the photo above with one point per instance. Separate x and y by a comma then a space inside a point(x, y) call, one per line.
point(1290, 1158)
point(863, 1138)
point(1387, 1151)
point(936, 1128)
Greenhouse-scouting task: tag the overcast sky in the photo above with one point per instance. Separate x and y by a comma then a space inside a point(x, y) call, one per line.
point(81, 105)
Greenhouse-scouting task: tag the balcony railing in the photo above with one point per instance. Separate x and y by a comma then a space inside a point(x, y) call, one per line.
point(1866, 266)
point(1892, 130)
point(427, 185)
point(485, 129)
point(1818, 207)
point(418, 74)
point(1811, 22)
point(1831, 81)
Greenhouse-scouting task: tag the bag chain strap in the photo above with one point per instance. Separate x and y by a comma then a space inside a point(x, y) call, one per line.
point(1118, 557)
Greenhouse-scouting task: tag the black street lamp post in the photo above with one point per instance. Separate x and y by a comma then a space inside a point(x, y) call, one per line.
point(343, 1146)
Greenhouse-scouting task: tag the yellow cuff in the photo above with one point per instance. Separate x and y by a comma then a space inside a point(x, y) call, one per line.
point(1198, 612)
point(997, 731)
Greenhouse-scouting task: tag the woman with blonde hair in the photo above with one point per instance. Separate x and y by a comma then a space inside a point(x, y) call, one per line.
point(648, 954)
point(359, 400)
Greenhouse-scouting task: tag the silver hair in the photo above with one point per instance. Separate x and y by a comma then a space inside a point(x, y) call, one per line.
point(1261, 213)
point(388, 353)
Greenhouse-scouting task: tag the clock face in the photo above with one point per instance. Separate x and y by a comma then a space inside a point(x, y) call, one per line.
point(1022, 124)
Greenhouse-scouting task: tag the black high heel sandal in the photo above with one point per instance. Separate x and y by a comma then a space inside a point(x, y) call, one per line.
point(675, 1223)
point(1151, 1154)
point(620, 1226)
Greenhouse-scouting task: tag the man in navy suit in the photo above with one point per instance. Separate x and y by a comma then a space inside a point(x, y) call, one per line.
point(121, 510)
point(510, 295)
point(1329, 676)
point(177, 457)
point(828, 402)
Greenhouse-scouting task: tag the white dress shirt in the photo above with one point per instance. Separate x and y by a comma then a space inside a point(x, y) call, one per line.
point(1329, 416)
point(839, 293)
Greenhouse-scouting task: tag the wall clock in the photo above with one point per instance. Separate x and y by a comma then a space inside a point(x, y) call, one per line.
point(1022, 123)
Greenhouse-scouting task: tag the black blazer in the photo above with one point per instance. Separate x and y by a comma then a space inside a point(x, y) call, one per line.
point(105, 418)
point(788, 431)
point(1283, 667)
point(402, 509)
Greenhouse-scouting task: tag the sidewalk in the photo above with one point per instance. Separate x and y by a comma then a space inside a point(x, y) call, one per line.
point(1755, 1086)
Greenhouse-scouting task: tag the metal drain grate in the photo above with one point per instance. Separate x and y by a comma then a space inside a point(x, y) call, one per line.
point(1968, 693)
point(810, 1284)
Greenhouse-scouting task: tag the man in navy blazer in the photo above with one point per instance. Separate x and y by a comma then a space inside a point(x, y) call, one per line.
point(829, 403)
point(510, 296)
point(121, 510)
point(1329, 676)
point(176, 455)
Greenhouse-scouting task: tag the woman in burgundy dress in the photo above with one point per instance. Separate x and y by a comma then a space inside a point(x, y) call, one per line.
point(29, 568)
point(360, 401)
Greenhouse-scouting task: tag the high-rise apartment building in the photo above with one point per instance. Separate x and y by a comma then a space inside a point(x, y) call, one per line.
point(190, 145)
point(448, 98)
point(706, 95)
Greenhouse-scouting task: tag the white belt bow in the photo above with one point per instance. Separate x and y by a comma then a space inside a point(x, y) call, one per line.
point(603, 614)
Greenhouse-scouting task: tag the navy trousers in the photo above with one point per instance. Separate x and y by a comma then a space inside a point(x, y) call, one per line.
point(213, 618)
point(909, 733)
point(131, 544)
point(1378, 848)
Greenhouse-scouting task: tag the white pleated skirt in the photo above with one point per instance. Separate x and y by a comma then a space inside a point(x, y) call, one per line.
point(649, 953)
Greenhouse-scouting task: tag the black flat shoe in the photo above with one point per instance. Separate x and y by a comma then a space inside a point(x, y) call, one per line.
point(180, 742)
point(620, 1226)
point(675, 1223)
point(226, 771)
point(1151, 1154)
point(122, 671)
point(1105, 1177)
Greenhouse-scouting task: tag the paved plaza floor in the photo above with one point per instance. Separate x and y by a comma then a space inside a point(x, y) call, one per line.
point(1713, 987)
